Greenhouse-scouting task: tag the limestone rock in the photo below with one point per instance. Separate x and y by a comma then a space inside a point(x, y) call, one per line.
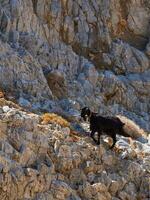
point(60, 56)
point(49, 162)
point(90, 73)
point(57, 84)
point(80, 41)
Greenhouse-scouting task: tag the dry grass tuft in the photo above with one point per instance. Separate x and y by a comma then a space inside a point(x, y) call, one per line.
point(121, 26)
point(4, 102)
point(54, 118)
point(74, 135)
point(1, 94)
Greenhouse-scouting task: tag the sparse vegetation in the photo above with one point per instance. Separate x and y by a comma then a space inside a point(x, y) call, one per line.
point(121, 26)
point(1, 94)
point(74, 135)
point(54, 118)
point(4, 102)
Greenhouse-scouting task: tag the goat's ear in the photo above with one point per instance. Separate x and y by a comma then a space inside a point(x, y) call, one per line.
point(87, 109)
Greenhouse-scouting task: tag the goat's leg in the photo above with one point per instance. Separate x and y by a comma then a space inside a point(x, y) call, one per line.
point(114, 140)
point(92, 136)
point(98, 141)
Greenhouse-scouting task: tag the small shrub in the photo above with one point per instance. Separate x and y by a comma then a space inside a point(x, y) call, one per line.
point(1, 94)
point(74, 135)
point(54, 118)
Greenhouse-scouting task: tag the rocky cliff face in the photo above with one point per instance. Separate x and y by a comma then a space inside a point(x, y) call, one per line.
point(93, 51)
point(59, 56)
point(49, 162)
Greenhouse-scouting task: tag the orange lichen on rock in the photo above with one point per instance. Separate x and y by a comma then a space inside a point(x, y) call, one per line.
point(121, 26)
point(74, 135)
point(48, 118)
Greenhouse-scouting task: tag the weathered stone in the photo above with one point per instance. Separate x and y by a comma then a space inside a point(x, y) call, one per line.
point(57, 83)
point(24, 103)
point(3, 129)
point(77, 177)
point(148, 49)
point(123, 195)
point(90, 73)
point(114, 187)
point(61, 189)
point(16, 64)
point(76, 39)
point(44, 163)
point(93, 53)
point(6, 108)
point(108, 159)
point(104, 178)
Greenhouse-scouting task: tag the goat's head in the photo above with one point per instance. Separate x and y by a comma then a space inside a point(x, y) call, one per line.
point(85, 113)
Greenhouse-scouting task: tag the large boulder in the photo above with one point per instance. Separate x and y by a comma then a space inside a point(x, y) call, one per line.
point(57, 83)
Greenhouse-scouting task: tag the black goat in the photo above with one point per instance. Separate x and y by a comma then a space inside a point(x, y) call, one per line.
point(103, 125)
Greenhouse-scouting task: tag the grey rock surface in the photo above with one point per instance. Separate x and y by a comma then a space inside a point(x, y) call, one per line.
point(48, 161)
point(101, 48)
